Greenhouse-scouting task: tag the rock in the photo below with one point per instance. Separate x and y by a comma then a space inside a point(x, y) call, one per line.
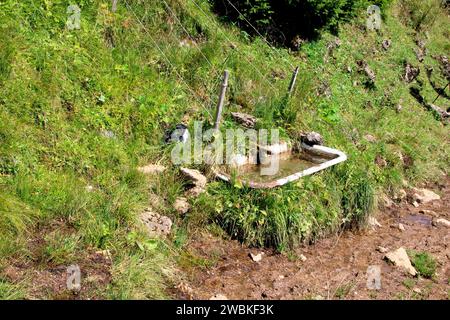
point(420, 54)
point(399, 108)
point(415, 204)
point(108, 134)
point(380, 161)
point(246, 120)
point(195, 176)
point(386, 201)
point(324, 89)
point(429, 213)
point(370, 138)
point(401, 227)
point(424, 195)
point(156, 224)
point(194, 192)
point(386, 44)
point(400, 195)
point(89, 188)
point(152, 169)
point(179, 134)
point(382, 249)
point(302, 257)
point(417, 290)
point(219, 296)
point(411, 72)
point(400, 259)
point(443, 222)
point(373, 277)
point(364, 68)
point(311, 138)
point(181, 205)
point(186, 290)
point(373, 222)
point(256, 257)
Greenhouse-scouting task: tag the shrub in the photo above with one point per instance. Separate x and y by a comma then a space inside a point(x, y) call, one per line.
point(282, 20)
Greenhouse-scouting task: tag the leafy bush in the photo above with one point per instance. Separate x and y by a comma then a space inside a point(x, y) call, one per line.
point(282, 20)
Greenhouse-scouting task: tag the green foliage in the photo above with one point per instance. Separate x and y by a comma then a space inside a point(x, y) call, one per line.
point(424, 263)
point(421, 15)
point(81, 109)
point(282, 20)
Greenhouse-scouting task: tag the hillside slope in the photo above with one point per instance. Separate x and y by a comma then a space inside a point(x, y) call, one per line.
point(81, 109)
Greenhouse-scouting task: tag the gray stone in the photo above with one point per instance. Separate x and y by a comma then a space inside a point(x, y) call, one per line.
point(424, 195)
point(382, 249)
point(156, 224)
point(400, 259)
point(311, 138)
point(181, 205)
point(443, 222)
point(195, 176)
point(246, 120)
point(386, 44)
point(256, 257)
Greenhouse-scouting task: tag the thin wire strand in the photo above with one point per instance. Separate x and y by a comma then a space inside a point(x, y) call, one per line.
point(218, 28)
point(189, 35)
point(264, 38)
point(219, 76)
point(168, 60)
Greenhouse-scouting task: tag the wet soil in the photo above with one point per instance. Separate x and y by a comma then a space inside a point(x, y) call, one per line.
point(335, 267)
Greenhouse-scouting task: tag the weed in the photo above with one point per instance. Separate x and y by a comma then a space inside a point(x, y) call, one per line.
point(424, 263)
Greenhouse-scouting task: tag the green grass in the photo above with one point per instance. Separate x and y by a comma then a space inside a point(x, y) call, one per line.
point(61, 90)
point(424, 263)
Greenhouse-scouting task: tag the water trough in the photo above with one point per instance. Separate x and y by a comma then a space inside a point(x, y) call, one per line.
point(292, 166)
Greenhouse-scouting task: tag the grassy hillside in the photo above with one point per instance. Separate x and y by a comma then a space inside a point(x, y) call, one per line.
point(81, 109)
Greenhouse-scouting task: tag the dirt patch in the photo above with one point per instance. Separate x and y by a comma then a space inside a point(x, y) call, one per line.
point(336, 267)
point(47, 280)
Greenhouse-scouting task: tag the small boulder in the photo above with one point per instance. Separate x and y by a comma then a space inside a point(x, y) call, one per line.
point(400, 259)
point(246, 120)
point(194, 192)
point(302, 257)
point(442, 222)
point(311, 138)
point(257, 257)
point(380, 161)
point(411, 73)
point(424, 195)
point(382, 249)
point(386, 44)
point(156, 224)
point(181, 205)
point(197, 178)
point(401, 227)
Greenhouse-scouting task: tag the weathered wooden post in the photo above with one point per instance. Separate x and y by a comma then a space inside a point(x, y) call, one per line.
point(293, 80)
point(114, 5)
point(223, 90)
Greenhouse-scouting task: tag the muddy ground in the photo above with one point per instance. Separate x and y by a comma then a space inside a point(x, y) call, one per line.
point(335, 267)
